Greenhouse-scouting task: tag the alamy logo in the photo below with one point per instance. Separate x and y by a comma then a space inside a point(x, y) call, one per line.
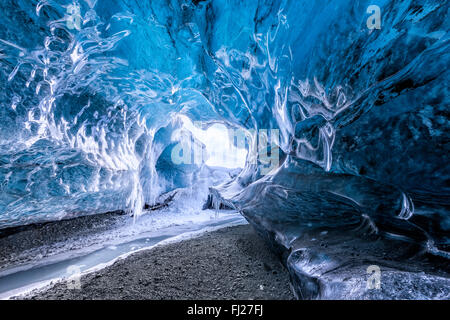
point(264, 148)
point(73, 20)
point(374, 280)
point(374, 21)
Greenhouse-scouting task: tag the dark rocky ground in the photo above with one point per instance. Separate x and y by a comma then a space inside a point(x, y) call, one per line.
point(27, 244)
point(231, 263)
point(235, 263)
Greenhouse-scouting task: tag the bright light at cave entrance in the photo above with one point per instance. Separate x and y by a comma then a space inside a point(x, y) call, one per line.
point(221, 152)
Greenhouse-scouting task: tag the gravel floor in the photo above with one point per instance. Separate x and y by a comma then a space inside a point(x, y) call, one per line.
point(231, 263)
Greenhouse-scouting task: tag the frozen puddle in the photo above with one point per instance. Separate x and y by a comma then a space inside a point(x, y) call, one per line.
point(22, 279)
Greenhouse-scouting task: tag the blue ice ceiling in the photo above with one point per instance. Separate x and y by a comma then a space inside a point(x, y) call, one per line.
point(87, 110)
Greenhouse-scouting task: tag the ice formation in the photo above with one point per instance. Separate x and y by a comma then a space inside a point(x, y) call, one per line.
point(93, 91)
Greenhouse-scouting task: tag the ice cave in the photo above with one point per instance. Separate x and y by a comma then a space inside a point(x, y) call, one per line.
point(322, 124)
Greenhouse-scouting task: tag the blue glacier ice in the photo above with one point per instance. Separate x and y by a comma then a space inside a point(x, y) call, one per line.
point(89, 104)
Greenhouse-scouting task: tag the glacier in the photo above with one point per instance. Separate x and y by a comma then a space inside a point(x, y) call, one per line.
point(92, 92)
